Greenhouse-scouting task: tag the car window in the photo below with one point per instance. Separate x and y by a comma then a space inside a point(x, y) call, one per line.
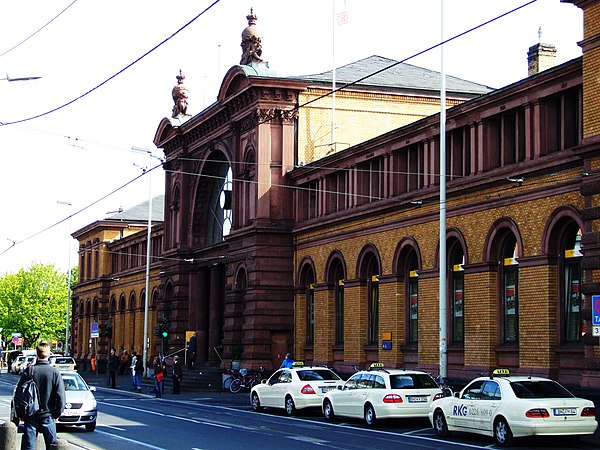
point(473, 391)
point(378, 382)
point(539, 389)
point(285, 377)
point(274, 378)
point(412, 381)
point(352, 382)
point(365, 381)
point(63, 361)
point(317, 375)
point(74, 383)
point(490, 391)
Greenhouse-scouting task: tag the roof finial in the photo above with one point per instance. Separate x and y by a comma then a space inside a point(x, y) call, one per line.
point(180, 97)
point(251, 42)
point(539, 35)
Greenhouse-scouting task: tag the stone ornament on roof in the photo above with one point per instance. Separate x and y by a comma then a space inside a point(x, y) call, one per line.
point(180, 97)
point(251, 42)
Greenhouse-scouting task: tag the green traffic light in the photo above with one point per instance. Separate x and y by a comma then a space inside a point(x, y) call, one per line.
point(165, 334)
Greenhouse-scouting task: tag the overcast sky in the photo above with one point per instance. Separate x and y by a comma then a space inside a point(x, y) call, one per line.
point(81, 152)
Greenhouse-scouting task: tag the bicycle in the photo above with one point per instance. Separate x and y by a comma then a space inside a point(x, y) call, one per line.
point(246, 379)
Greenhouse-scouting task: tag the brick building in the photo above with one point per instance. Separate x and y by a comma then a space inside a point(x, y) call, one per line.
point(280, 235)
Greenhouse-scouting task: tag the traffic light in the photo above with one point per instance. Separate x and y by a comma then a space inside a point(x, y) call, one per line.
point(108, 330)
point(158, 331)
point(165, 328)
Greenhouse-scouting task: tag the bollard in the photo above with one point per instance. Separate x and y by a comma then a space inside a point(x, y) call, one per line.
point(8, 435)
point(60, 444)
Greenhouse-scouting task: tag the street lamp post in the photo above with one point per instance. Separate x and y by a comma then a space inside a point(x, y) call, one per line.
point(68, 314)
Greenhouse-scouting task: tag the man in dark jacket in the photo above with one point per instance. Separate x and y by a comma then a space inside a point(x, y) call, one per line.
point(51, 398)
point(177, 375)
point(113, 366)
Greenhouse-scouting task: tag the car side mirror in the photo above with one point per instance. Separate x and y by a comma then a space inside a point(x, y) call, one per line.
point(340, 387)
point(93, 388)
point(263, 381)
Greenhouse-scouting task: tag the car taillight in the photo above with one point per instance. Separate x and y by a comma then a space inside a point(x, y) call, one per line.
point(537, 413)
point(588, 412)
point(438, 396)
point(307, 389)
point(392, 398)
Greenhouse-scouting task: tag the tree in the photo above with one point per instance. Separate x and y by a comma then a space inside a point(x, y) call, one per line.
point(33, 302)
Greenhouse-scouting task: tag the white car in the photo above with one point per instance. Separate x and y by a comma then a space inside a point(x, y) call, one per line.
point(14, 368)
point(378, 393)
point(508, 407)
point(61, 363)
point(294, 388)
point(81, 406)
point(29, 360)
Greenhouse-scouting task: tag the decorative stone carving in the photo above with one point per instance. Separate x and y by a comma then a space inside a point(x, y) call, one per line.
point(180, 97)
point(251, 42)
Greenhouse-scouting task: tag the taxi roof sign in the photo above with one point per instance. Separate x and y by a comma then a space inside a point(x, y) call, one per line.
point(501, 372)
point(297, 364)
point(377, 365)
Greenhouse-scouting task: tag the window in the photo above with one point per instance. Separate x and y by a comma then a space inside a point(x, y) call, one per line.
point(457, 283)
point(510, 291)
point(413, 308)
point(373, 329)
point(571, 295)
point(310, 314)
point(339, 305)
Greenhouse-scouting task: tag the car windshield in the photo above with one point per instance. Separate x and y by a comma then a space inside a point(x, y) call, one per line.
point(317, 374)
point(73, 382)
point(412, 381)
point(63, 361)
point(539, 389)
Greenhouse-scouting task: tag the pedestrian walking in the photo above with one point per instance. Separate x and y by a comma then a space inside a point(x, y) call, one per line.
point(132, 370)
point(113, 366)
point(158, 376)
point(52, 400)
point(138, 370)
point(177, 375)
point(124, 364)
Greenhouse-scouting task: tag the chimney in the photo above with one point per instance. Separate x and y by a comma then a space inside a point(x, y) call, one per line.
point(540, 57)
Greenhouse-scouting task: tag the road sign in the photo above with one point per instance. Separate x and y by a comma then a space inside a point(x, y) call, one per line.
point(94, 330)
point(596, 310)
point(596, 331)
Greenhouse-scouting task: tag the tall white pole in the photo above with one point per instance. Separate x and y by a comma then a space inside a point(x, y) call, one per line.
point(333, 81)
point(68, 312)
point(148, 248)
point(442, 262)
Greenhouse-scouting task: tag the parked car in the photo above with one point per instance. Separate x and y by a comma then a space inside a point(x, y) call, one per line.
point(294, 388)
point(26, 363)
point(14, 368)
point(62, 362)
point(378, 393)
point(507, 407)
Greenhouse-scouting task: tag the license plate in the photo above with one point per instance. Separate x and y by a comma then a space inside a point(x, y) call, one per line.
point(565, 411)
point(413, 399)
point(326, 388)
point(70, 412)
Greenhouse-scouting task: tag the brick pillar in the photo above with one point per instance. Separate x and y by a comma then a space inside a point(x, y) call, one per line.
point(392, 320)
point(355, 322)
point(324, 326)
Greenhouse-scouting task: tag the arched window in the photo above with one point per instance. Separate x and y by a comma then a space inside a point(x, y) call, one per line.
point(456, 260)
point(336, 278)
point(571, 281)
point(372, 275)
point(307, 280)
point(412, 294)
point(510, 288)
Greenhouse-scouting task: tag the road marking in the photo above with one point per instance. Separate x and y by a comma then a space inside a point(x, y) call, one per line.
point(113, 427)
point(133, 441)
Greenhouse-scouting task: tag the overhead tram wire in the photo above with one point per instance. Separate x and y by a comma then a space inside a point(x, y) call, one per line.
point(15, 243)
point(36, 32)
point(115, 75)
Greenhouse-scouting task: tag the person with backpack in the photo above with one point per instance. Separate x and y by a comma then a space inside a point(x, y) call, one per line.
point(51, 400)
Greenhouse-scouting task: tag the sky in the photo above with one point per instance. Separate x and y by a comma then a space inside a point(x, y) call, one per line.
point(129, 52)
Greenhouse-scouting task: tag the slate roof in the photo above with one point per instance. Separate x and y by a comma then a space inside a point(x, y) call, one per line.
point(401, 76)
point(139, 213)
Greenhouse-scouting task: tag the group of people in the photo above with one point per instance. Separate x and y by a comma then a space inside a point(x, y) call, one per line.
point(136, 368)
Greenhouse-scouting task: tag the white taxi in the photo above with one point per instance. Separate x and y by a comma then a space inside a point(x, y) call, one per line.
point(378, 393)
point(507, 407)
point(294, 388)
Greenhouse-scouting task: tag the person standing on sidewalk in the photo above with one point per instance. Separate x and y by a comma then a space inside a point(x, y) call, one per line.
point(138, 370)
point(113, 366)
point(158, 376)
point(132, 369)
point(177, 375)
point(52, 400)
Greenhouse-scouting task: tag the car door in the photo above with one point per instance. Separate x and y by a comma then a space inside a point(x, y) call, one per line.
point(358, 396)
point(462, 413)
point(268, 390)
point(486, 407)
point(341, 400)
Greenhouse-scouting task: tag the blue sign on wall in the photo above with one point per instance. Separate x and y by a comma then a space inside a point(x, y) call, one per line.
point(596, 310)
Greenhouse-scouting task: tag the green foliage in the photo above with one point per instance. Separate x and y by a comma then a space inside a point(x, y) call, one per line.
point(33, 302)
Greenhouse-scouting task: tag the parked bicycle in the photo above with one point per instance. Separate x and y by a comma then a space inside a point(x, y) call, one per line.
point(246, 379)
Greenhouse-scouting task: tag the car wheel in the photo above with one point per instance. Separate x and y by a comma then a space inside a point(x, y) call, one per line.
point(439, 423)
point(89, 427)
point(255, 403)
point(290, 407)
point(502, 433)
point(328, 410)
point(370, 417)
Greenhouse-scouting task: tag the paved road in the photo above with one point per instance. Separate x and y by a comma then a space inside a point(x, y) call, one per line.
point(215, 420)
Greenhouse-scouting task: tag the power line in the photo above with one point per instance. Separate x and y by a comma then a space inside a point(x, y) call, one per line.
point(36, 32)
point(113, 76)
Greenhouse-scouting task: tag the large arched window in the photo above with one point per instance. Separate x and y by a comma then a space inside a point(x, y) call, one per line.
point(456, 261)
point(336, 278)
point(307, 280)
point(412, 291)
point(371, 273)
point(510, 289)
point(571, 281)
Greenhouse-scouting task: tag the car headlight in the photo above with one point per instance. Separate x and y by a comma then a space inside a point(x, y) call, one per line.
point(89, 404)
